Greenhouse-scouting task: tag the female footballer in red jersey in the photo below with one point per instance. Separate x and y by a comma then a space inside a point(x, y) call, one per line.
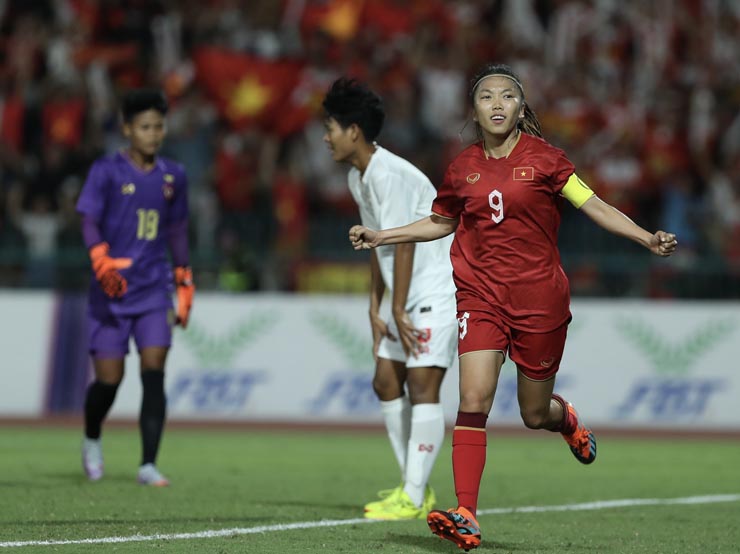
point(500, 197)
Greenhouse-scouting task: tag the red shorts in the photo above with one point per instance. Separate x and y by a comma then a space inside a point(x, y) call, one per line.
point(537, 355)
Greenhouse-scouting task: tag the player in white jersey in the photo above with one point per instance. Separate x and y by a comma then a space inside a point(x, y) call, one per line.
point(413, 349)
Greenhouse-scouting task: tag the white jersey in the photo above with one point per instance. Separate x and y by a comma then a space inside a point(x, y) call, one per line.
point(392, 193)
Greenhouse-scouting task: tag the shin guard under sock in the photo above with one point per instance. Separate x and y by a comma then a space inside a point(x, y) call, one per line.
point(469, 457)
point(151, 418)
point(99, 399)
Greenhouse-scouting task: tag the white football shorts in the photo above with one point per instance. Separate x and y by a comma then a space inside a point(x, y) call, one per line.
point(439, 326)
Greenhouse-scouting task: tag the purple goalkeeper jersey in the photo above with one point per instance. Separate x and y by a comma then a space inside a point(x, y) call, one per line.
point(134, 209)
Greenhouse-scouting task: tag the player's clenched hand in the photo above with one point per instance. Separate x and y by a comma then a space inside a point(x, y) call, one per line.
point(663, 244)
point(185, 294)
point(106, 269)
point(363, 238)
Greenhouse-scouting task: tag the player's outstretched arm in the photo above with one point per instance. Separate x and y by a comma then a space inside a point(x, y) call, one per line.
point(614, 221)
point(430, 228)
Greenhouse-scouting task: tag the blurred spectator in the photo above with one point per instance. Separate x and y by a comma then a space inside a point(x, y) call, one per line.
point(36, 218)
point(192, 131)
point(683, 210)
point(724, 197)
point(644, 95)
point(619, 177)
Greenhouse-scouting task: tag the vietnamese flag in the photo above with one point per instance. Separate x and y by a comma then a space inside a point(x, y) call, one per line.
point(63, 121)
point(290, 201)
point(304, 101)
point(524, 174)
point(340, 19)
point(248, 91)
point(235, 180)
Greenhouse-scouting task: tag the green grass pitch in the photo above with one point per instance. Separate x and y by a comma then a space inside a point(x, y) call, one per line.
point(254, 482)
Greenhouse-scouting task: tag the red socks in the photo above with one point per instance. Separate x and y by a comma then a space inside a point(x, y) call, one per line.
point(468, 457)
point(469, 451)
point(570, 422)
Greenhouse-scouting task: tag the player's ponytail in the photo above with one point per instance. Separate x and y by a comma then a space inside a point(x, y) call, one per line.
point(529, 123)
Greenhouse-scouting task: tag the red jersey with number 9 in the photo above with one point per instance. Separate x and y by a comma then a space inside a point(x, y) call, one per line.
point(505, 254)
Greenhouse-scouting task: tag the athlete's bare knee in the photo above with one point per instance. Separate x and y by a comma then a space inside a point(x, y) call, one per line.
point(423, 391)
point(429, 395)
point(109, 372)
point(534, 419)
point(109, 380)
point(474, 402)
point(386, 388)
point(153, 357)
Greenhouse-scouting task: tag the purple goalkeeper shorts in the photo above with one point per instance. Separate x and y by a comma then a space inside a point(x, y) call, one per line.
point(109, 336)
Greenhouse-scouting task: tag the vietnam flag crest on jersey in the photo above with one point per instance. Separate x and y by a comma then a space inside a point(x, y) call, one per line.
point(524, 174)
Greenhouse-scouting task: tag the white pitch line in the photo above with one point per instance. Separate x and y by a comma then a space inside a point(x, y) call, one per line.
point(623, 503)
point(599, 505)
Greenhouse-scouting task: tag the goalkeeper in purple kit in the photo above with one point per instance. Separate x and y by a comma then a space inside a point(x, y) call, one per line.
point(134, 209)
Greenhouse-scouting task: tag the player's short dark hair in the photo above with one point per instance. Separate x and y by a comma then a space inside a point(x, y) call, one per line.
point(140, 100)
point(349, 101)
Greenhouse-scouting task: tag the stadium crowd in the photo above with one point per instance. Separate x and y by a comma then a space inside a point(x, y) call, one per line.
point(644, 96)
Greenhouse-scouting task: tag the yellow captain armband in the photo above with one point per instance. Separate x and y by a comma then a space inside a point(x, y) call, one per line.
point(576, 191)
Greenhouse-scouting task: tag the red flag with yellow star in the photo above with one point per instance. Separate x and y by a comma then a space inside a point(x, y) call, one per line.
point(62, 121)
point(524, 174)
point(304, 101)
point(249, 91)
point(339, 19)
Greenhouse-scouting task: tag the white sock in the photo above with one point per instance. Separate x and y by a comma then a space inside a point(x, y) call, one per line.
point(397, 416)
point(427, 436)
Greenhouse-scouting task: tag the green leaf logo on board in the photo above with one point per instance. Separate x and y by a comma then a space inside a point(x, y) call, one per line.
point(678, 354)
point(219, 351)
point(356, 348)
